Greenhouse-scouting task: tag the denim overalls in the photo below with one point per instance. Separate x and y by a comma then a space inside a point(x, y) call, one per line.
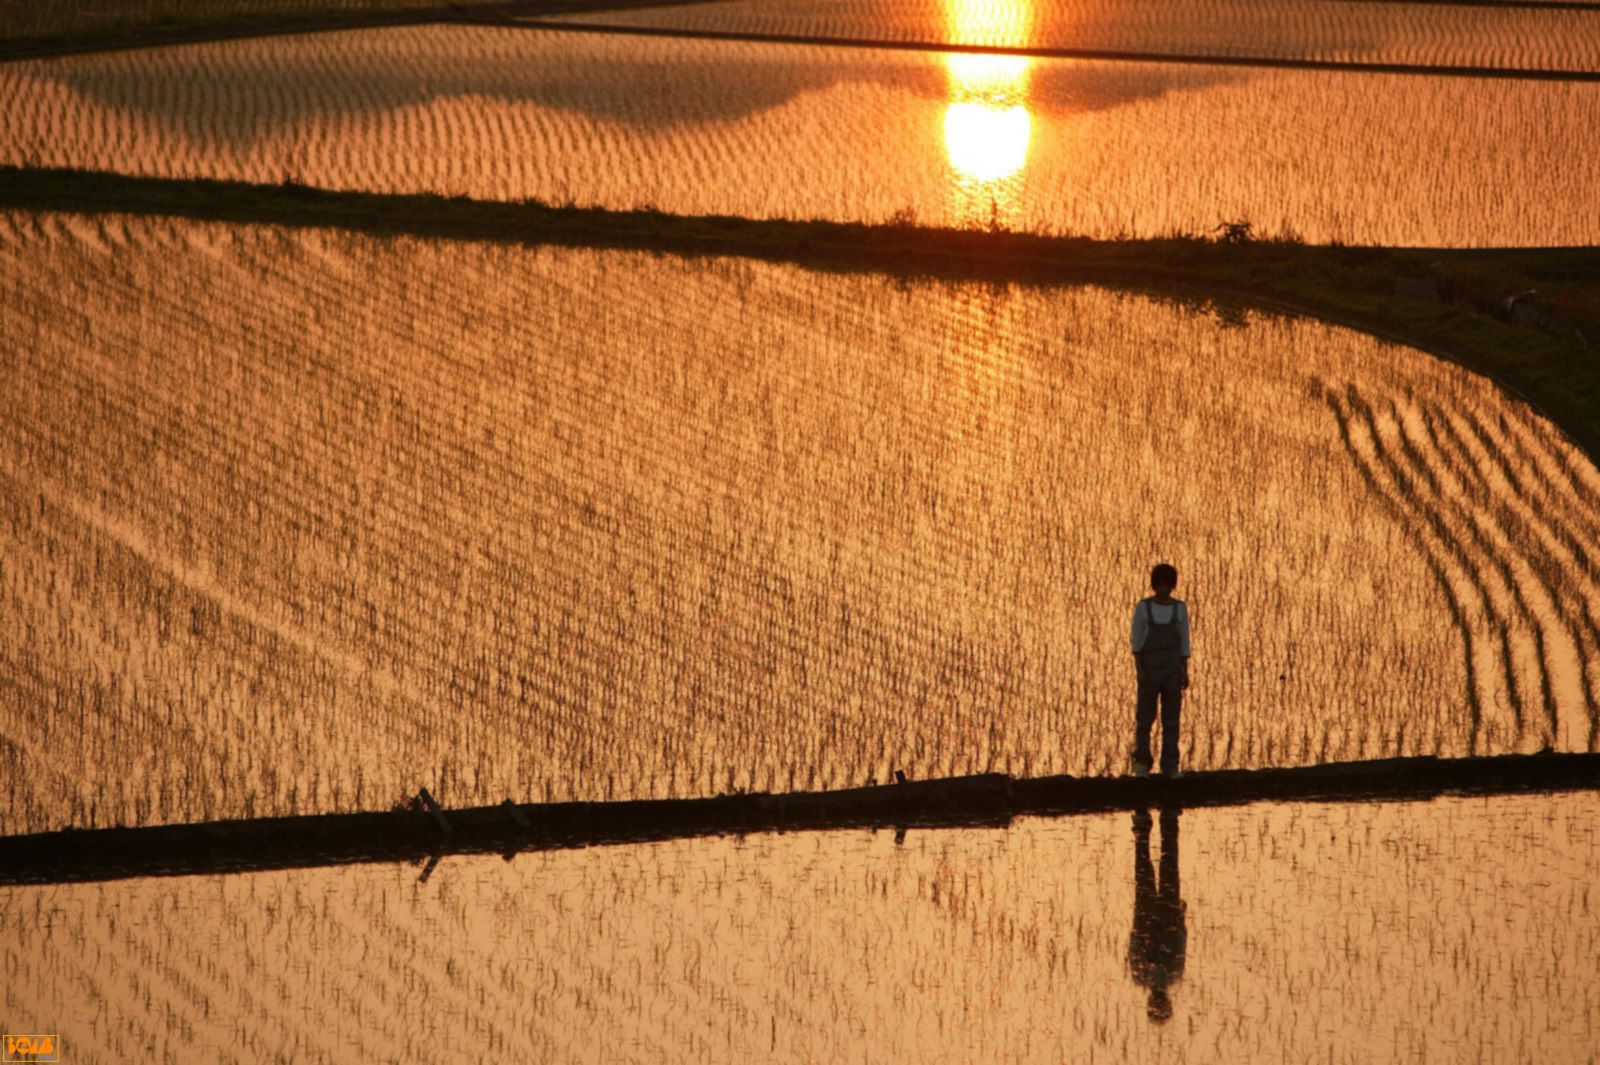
point(1160, 674)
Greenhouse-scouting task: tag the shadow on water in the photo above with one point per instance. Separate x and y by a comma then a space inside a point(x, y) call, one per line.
point(269, 88)
point(1159, 941)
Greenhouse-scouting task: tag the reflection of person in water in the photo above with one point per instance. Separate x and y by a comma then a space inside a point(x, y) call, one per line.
point(1159, 939)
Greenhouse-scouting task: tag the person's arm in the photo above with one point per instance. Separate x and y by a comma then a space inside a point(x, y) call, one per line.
point(1183, 636)
point(1141, 629)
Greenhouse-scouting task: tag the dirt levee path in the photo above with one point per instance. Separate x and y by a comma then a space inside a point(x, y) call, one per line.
point(990, 799)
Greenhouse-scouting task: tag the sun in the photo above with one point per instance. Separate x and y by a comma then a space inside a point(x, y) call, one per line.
point(987, 125)
point(985, 142)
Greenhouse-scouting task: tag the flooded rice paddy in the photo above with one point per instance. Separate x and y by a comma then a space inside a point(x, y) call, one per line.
point(769, 130)
point(1355, 31)
point(1458, 930)
point(300, 521)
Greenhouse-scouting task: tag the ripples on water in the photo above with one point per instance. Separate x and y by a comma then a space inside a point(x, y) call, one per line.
point(1458, 929)
point(1432, 34)
point(764, 130)
point(298, 522)
point(302, 521)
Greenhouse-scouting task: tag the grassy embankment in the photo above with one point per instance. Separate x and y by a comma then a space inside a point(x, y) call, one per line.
point(991, 799)
point(1450, 302)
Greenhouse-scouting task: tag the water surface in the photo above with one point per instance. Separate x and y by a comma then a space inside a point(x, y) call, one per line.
point(1355, 31)
point(298, 521)
point(764, 130)
point(1460, 929)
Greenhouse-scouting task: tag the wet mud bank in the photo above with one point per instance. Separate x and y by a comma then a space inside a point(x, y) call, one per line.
point(428, 832)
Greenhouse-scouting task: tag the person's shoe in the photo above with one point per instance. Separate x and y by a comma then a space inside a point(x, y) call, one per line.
point(1141, 768)
point(1172, 774)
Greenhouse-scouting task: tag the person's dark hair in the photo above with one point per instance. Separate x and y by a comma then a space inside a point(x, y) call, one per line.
point(1164, 574)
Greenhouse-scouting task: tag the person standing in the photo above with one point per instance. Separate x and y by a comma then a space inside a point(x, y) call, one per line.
point(1161, 660)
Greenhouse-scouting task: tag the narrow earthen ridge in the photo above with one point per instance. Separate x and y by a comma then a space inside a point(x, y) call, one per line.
point(990, 799)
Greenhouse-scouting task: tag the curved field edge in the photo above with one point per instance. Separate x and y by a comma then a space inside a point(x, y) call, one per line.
point(1529, 319)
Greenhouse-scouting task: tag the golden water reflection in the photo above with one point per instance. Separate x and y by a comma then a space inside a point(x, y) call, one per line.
point(619, 121)
point(987, 124)
point(1343, 933)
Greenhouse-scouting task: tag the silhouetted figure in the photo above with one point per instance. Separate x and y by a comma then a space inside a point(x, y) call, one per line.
point(1160, 936)
point(1161, 660)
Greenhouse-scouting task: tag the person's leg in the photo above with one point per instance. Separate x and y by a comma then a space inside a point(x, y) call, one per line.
point(1173, 925)
point(1144, 719)
point(1171, 708)
point(1171, 893)
point(1144, 899)
point(1145, 888)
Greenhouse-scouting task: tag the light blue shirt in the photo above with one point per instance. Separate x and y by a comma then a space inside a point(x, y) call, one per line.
point(1161, 615)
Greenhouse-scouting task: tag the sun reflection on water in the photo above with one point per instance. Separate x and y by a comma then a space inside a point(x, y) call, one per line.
point(987, 125)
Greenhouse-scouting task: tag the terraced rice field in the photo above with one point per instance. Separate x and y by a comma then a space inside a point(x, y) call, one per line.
point(93, 16)
point(1463, 928)
point(1430, 34)
point(765, 130)
point(300, 521)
